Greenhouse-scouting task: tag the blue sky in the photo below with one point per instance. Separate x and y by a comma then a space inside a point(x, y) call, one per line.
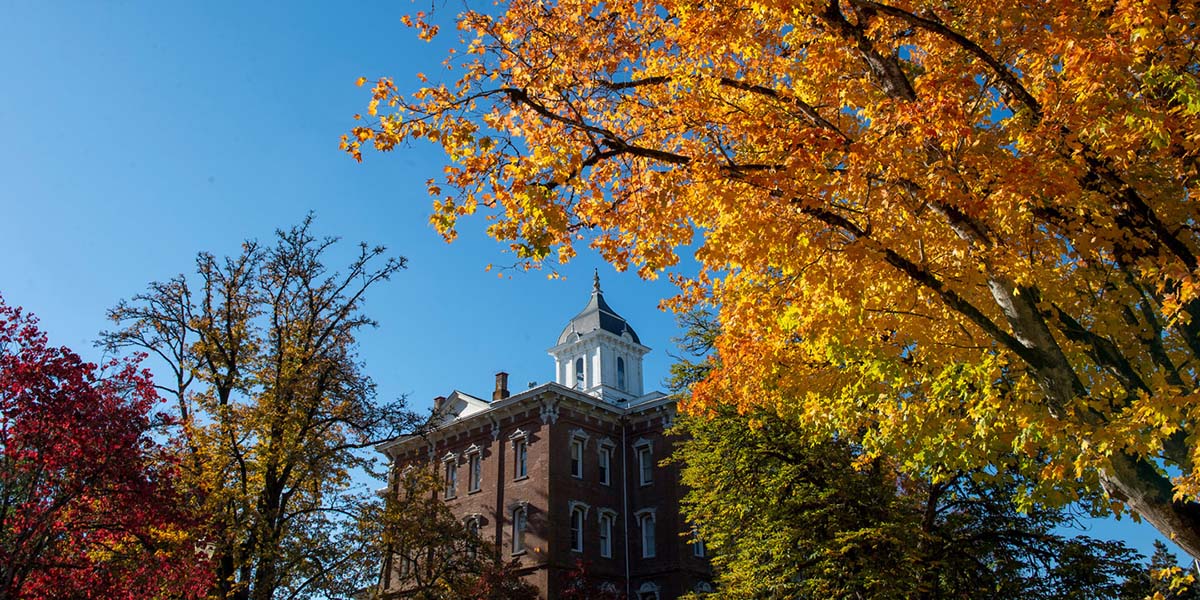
point(135, 134)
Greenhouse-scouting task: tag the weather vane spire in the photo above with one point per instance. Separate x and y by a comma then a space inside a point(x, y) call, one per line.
point(596, 281)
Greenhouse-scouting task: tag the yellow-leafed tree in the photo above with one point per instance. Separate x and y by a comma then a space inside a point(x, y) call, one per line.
point(275, 413)
point(953, 230)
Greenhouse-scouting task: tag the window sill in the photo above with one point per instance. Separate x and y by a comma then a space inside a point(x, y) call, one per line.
point(475, 491)
point(519, 553)
point(521, 478)
point(449, 497)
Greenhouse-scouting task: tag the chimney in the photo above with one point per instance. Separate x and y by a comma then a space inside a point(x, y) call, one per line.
point(437, 403)
point(501, 387)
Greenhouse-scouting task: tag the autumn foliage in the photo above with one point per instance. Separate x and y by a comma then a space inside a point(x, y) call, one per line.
point(276, 416)
point(954, 231)
point(88, 507)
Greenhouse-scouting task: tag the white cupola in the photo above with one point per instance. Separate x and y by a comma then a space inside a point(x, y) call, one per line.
point(598, 353)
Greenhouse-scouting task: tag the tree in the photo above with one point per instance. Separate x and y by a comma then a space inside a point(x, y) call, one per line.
point(787, 518)
point(275, 412)
point(88, 504)
point(580, 584)
point(433, 555)
point(1164, 579)
point(989, 207)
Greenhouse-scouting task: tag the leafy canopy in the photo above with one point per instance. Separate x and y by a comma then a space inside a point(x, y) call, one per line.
point(955, 231)
point(789, 518)
point(89, 496)
point(276, 414)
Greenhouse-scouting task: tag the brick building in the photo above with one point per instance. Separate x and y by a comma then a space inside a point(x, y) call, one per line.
point(569, 470)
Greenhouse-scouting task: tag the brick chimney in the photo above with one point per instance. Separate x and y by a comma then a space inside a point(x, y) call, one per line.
point(437, 403)
point(501, 387)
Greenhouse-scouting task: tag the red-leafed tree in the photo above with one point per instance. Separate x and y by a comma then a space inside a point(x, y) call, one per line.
point(87, 503)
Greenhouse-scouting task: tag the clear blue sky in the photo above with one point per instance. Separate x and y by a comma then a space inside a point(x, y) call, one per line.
point(135, 134)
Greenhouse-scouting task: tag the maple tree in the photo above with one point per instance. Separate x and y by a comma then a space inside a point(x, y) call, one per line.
point(275, 413)
point(788, 516)
point(88, 498)
point(957, 231)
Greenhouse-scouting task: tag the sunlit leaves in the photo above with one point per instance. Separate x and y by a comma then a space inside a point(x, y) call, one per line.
point(990, 206)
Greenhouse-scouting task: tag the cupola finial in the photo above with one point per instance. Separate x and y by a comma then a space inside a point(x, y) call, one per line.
point(596, 281)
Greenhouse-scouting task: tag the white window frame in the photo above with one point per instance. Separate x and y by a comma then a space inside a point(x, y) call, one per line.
point(520, 443)
point(605, 462)
point(646, 522)
point(520, 523)
point(648, 591)
point(644, 450)
point(450, 475)
point(606, 522)
point(474, 469)
point(577, 458)
point(577, 512)
point(579, 439)
point(474, 524)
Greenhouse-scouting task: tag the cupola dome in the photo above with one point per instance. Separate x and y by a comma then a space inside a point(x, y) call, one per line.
point(596, 315)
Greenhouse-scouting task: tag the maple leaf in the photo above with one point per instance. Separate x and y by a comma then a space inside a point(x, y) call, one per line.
point(987, 206)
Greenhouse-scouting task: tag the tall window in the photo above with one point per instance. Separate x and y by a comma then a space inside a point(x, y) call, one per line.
point(605, 467)
point(620, 373)
point(451, 477)
point(645, 458)
point(577, 516)
point(698, 549)
point(474, 472)
point(577, 458)
point(606, 529)
point(646, 522)
point(473, 530)
point(579, 373)
point(520, 458)
point(519, 520)
point(406, 563)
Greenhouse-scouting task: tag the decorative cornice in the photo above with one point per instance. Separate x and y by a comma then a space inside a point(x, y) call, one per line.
point(573, 504)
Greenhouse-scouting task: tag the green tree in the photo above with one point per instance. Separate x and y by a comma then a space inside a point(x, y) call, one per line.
point(787, 518)
point(1164, 579)
point(275, 412)
point(433, 555)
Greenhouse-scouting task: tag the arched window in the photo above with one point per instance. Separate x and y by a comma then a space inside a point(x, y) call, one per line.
point(451, 477)
point(647, 591)
point(620, 373)
point(579, 373)
point(519, 522)
point(607, 518)
point(646, 523)
point(473, 531)
point(577, 516)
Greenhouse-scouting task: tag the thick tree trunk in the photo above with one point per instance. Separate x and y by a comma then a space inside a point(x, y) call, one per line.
point(1142, 488)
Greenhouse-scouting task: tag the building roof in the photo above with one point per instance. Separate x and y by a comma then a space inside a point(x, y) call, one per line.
point(597, 315)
